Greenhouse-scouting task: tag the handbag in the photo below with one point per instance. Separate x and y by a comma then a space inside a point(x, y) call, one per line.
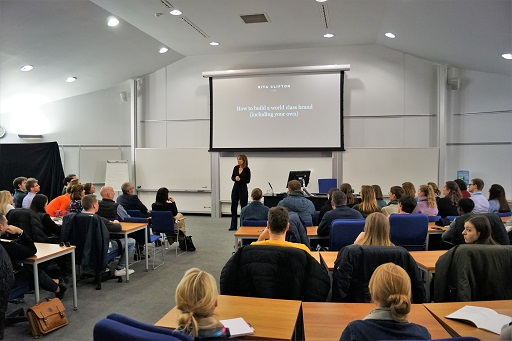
point(46, 316)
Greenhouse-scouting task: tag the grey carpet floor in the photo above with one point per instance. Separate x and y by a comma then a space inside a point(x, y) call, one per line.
point(149, 295)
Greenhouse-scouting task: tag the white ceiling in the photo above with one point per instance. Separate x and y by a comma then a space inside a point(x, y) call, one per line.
point(62, 38)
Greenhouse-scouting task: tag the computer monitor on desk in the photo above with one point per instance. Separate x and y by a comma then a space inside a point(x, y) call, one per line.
point(301, 176)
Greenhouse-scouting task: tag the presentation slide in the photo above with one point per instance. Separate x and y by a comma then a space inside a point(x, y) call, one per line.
point(292, 111)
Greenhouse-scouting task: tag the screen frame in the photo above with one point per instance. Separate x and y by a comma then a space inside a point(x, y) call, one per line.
point(297, 175)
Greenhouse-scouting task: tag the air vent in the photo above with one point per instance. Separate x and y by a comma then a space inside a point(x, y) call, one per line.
point(194, 26)
point(324, 12)
point(255, 18)
point(166, 3)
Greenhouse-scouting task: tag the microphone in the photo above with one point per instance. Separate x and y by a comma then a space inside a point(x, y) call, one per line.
point(271, 188)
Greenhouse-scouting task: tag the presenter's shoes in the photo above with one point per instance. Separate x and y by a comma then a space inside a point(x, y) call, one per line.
point(122, 272)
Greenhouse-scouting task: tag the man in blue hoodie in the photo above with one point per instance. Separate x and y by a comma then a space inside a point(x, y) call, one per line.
point(296, 202)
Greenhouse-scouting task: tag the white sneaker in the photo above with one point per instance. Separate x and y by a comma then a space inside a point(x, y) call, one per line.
point(122, 272)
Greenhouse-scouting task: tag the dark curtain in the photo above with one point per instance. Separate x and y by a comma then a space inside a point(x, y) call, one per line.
point(32, 160)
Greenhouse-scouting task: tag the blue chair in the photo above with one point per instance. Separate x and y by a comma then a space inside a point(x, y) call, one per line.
point(134, 213)
point(315, 218)
point(344, 232)
point(409, 231)
point(162, 222)
point(246, 222)
point(324, 185)
point(308, 223)
point(452, 217)
point(116, 327)
point(504, 214)
point(433, 218)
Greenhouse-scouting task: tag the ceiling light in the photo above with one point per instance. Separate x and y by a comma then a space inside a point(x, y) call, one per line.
point(71, 79)
point(30, 67)
point(390, 35)
point(176, 12)
point(214, 43)
point(163, 50)
point(321, 0)
point(505, 55)
point(112, 22)
point(328, 35)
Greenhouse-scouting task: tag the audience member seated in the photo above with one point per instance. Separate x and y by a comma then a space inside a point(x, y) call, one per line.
point(474, 272)
point(437, 192)
point(328, 204)
point(165, 202)
point(355, 264)
point(297, 232)
point(476, 186)
point(498, 200)
point(275, 268)
point(409, 189)
point(6, 282)
point(255, 210)
point(368, 203)
point(19, 246)
point(6, 202)
point(58, 207)
point(376, 231)
point(296, 202)
point(477, 230)
point(89, 188)
point(67, 181)
point(447, 206)
point(463, 188)
point(390, 289)
point(38, 205)
point(406, 204)
point(108, 208)
point(349, 192)
point(20, 190)
point(75, 205)
point(196, 298)
point(395, 193)
point(131, 201)
point(33, 188)
point(339, 211)
point(426, 201)
point(29, 222)
point(378, 196)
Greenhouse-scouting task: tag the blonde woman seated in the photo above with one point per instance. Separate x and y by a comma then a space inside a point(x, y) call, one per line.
point(390, 288)
point(369, 203)
point(427, 203)
point(196, 298)
point(376, 231)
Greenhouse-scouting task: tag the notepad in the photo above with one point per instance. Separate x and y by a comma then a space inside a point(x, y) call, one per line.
point(483, 318)
point(238, 327)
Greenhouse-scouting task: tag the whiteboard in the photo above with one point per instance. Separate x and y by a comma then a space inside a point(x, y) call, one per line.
point(93, 163)
point(274, 168)
point(116, 174)
point(388, 167)
point(183, 169)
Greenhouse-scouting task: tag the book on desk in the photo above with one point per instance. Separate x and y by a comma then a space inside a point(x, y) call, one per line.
point(480, 317)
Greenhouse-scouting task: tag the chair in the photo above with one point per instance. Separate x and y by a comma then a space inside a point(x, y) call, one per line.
point(452, 217)
point(315, 218)
point(116, 327)
point(134, 213)
point(152, 240)
point(163, 222)
point(409, 231)
point(324, 185)
point(254, 223)
point(474, 273)
point(355, 265)
point(344, 232)
point(433, 218)
point(504, 214)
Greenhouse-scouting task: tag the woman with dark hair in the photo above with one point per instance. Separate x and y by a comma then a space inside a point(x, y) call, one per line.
point(497, 200)
point(165, 202)
point(379, 196)
point(447, 205)
point(38, 205)
point(77, 192)
point(89, 188)
point(463, 188)
point(349, 192)
point(477, 230)
point(241, 176)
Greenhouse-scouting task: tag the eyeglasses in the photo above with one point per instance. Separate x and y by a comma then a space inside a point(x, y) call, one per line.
point(471, 184)
point(65, 244)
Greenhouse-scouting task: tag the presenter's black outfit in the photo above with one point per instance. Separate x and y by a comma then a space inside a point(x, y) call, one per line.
point(239, 193)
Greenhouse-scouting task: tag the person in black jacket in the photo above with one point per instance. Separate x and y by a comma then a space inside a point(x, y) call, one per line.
point(241, 176)
point(38, 205)
point(19, 246)
point(131, 201)
point(165, 202)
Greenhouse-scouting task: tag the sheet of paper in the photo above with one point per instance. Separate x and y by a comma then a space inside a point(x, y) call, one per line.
point(238, 327)
point(483, 318)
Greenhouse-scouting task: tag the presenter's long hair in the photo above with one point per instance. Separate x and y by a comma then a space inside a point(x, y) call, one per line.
point(244, 159)
point(376, 230)
point(196, 297)
point(390, 287)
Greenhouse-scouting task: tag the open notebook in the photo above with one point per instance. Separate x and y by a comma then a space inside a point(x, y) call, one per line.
point(483, 318)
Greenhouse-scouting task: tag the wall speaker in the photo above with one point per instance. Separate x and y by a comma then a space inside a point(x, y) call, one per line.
point(124, 96)
point(454, 83)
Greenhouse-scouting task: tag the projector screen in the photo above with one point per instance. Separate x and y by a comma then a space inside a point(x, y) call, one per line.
point(296, 111)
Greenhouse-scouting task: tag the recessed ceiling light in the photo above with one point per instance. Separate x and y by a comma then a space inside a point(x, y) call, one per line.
point(328, 35)
point(505, 55)
point(390, 35)
point(176, 12)
point(321, 0)
point(214, 43)
point(71, 79)
point(112, 22)
point(163, 50)
point(27, 68)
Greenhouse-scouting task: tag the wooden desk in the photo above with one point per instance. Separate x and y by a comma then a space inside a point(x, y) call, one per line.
point(456, 328)
point(270, 318)
point(253, 232)
point(328, 258)
point(126, 229)
point(505, 219)
point(427, 263)
point(326, 321)
point(46, 252)
point(316, 255)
